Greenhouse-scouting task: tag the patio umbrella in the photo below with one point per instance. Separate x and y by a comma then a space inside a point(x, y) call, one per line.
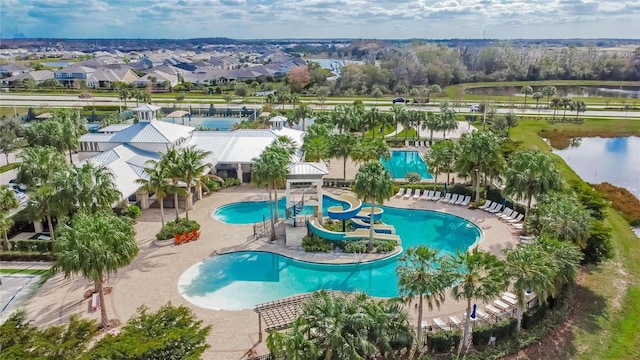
point(473, 313)
point(445, 187)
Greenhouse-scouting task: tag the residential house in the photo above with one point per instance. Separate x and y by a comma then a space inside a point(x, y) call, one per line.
point(38, 75)
point(12, 69)
point(104, 77)
point(71, 74)
point(157, 81)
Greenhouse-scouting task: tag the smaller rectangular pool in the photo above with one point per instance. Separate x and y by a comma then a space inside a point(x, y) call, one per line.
point(211, 123)
point(402, 162)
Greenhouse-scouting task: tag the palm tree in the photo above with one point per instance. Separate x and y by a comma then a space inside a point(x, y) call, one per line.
point(156, 181)
point(191, 165)
point(530, 268)
point(45, 203)
point(479, 154)
point(371, 118)
point(124, 94)
point(302, 113)
point(373, 184)
point(565, 103)
point(38, 164)
point(420, 274)
point(315, 148)
point(171, 161)
point(549, 91)
point(399, 114)
point(72, 126)
point(448, 120)
point(440, 158)
point(578, 106)
point(341, 118)
point(531, 173)
point(269, 169)
point(433, 123)
point(526, 91)
point(8, 201)
point(341, 147)
point(92, 187)
point(564, 218)
point(555, 104)
point(95, 245)
point(537, 96)
point(477, 275)
point(511, 120)
point(292, 344)
point(566, 257)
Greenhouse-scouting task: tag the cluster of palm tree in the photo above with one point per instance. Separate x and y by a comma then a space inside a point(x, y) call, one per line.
point(321, 144)
point(57, 188)
point(543, 267)
point(270, 170)
point(62, 131)
point(565, 104)
point(8, 202)
point(140, 95)
point(345, 327)
point(177, 172)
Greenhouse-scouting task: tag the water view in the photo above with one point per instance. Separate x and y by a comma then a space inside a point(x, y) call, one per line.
point(333, 64)
point(613, 160)
point(562, 90)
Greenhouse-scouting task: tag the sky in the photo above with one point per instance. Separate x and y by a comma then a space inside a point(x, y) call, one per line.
point(382, 19)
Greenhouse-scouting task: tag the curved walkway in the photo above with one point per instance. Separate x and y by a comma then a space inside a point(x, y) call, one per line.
point(153, 277)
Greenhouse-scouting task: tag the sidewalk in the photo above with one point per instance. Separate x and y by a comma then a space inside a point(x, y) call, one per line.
point(39, 265)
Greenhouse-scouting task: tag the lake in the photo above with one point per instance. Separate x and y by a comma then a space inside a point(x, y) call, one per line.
point(562, 90)
point(333, 64)
point(56, 63)
point(612, 160)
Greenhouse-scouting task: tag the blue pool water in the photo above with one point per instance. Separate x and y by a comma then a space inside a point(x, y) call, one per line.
point(402, 162)
point(244, 279)
point(221, 124)
point(250, 212)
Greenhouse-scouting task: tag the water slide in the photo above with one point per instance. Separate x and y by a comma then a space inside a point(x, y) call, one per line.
point(340, 213)
point(358, 234)
point(379, 228)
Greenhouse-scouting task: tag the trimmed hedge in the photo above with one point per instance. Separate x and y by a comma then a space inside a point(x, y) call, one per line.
point(355, 247)
point(177, 227)
point(35, 246)
point(443, 341)
point(505, 329)
point(383, 246)
point(25, 256)
point(534, 316)
point(314, 243)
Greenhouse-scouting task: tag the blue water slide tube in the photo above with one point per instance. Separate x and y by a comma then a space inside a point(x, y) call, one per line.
point(378, 228)
point(317, 229)
point(354, 205)
point(365, 213)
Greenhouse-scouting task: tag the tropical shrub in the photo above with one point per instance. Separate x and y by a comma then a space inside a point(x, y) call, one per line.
point(413, 177)
point(502, 330)
point(212, 185)
point(314, 243)
point(598, 246)
point(38, 246)
point(443, 341)
point(533, 316)
point(132, 211)
point(355, 247)
point(231, 181)
point(383, 246)
point(336, 225)
point(177, 227)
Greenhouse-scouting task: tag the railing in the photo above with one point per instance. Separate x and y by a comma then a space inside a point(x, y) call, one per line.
point(264, 227)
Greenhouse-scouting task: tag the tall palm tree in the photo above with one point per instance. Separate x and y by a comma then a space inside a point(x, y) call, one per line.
point(156, 181)
point(477, 275)
point(315, 148)
point(38, 164)
point(373, 184)
point(526, 91)
point(372, 118)
point(566, 257)
point(72, 126)
point(530, 268)
point(95, 245)
point(341, 118)
point(8, 201)
point(511, 120)
point(302, 113)
point(537, 96)
point(92, 188)
point(479, 154)
point(549, 91)
point(292, 344)
point(564, 218)
point(191, 165)
point(555, 104)
point(420, 274)
point(171, 161)
point(531, 173)
point(399, 113)
point(44, 203)
point(124, 95)
point(341, 147)
point(578, 106)
point(269, 169)
point(433, 123)
point(565, 103)
point(448, 120)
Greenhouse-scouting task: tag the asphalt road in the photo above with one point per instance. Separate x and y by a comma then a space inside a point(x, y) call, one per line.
point(51, 101)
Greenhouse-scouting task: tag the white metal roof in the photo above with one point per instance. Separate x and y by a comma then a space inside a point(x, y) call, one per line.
point(114, 128)
point(154, 131)
point(95, 137)
point(308, 168)
point(146, 107)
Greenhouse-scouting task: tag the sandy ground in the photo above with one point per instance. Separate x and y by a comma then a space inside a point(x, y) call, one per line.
point(152, 278)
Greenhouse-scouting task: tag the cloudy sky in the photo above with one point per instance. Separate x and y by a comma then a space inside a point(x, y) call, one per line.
point(250, 19)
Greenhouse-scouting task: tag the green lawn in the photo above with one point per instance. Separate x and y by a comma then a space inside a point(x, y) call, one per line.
point(25, 271)
point(8, 167)
point(606, 327)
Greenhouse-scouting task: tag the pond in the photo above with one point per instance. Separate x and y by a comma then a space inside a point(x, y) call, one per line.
point(562, 90)
point(56, 63)
point(612, 160)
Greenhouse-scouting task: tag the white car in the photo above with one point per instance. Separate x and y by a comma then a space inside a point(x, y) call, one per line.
point(475, 107)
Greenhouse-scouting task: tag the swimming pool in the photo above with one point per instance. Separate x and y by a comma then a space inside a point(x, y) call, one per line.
point(402, 162)
point(211, 123)
point(249, 212)
point(242, 280)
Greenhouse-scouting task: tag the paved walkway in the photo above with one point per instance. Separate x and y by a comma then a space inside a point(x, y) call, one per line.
point(152, 278)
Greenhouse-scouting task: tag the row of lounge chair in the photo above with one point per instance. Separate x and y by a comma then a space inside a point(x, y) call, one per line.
point(454, 199)
point(185, 237)
point(509, 215)
point(499, 309)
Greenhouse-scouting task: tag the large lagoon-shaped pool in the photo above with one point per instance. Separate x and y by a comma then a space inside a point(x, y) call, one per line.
point(242, 280)
point(402, 162)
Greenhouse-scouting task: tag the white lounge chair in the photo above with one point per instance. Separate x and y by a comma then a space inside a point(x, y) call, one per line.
point(513, 215)
point(400, 192)
point(501, 304)
point(497, 209)
point(486, 205)
point(518, 226)
point(455, 321)
point(518, 219)
point(427, 195)
point(480, 314)
point(417, 194)
point(509, 294)
point(460, 200)
point(441, 324)
point(493, 206)
point(436, 196)
point(425, 325)
point(408, 193)
point(493, 310)
point(505, 213)
point(509, 300)
point(454, 198)
point(466, 201)
point(447, 197)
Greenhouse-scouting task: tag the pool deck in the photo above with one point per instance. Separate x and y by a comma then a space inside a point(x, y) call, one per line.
point(153, 276)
